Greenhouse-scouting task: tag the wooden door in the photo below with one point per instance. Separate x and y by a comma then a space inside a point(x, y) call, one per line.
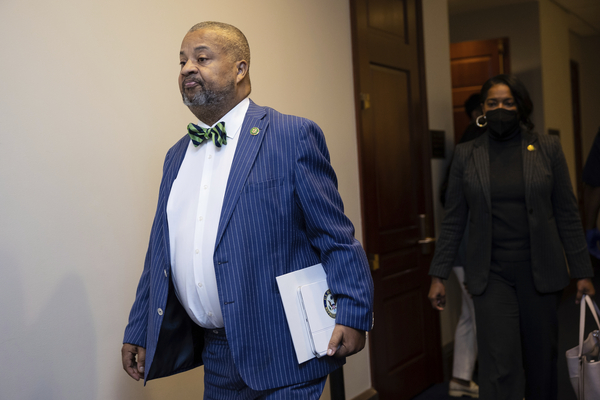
point(473, 63)
point(396, 190)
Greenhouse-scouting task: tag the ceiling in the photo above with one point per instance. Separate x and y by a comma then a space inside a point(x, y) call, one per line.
point(584, 15)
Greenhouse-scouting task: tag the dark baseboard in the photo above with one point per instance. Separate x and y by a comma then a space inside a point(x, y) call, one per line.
point(369, 394)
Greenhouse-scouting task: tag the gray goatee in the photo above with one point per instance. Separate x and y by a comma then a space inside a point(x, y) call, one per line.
point(208, 96)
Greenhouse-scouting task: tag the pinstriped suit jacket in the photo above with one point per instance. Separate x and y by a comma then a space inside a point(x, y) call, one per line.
point(554, 223)
point(282, 212)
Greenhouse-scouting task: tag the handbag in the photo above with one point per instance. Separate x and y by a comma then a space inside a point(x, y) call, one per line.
point(582, 361)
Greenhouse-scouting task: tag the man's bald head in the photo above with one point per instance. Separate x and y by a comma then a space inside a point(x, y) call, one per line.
point(230, 37)
point(214, 75)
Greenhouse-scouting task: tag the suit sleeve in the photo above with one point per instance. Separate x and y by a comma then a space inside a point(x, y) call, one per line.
point(567, 217)
point(453, 224)
point(135, 332)
point(329, 230)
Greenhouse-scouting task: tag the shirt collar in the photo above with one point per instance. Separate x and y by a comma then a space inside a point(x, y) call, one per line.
point(233, 119)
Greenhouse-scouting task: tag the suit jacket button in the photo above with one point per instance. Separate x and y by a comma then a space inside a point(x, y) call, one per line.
point(160, 311)
point(531, 211)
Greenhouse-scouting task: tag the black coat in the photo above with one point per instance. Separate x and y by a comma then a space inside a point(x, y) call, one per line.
point(554, 224)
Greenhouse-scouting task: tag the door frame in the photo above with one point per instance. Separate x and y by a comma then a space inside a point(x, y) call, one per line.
point(420, 125)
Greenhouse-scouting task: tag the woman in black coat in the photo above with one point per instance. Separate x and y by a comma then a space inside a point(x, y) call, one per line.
point(513, 186)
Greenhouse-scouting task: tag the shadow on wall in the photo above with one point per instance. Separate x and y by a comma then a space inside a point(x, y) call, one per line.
point(188, 385)
point(53, 357)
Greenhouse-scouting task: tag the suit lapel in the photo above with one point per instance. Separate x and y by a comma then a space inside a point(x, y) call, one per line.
point(244, 157)
point(171, 171)
point(529, 157)
point(481, 156)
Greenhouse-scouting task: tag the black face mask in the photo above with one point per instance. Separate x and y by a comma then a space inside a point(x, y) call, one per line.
point(502, 124)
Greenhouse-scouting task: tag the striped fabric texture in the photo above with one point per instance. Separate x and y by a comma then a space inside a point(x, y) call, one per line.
point(282, 212)
point(554, 223)
point(199, 135)
point(222, 380)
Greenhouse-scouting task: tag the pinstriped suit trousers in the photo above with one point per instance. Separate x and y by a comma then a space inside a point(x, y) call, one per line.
point(517, 335)
point(222, 380)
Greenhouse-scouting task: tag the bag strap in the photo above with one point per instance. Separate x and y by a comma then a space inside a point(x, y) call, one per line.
point(594, 309)
point(597, 311)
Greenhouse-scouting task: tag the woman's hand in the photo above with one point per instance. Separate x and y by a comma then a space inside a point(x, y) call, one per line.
point(584, 286)
point(437, 293)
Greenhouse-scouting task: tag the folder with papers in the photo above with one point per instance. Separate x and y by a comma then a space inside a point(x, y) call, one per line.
point(310, 310)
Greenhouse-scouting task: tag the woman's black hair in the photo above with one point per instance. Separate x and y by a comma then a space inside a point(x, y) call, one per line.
point(473, 103)
point(519, 92)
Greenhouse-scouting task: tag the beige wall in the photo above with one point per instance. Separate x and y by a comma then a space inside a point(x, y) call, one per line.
point(556, 77)
point(590, 90)
point(586, 51)
point(88, 108)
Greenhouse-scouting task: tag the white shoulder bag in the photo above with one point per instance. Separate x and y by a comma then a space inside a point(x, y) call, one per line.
point(582, 360)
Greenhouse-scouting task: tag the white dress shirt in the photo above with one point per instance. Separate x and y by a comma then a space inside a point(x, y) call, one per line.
point(193, 213)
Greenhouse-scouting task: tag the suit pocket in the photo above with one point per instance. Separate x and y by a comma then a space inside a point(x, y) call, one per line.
point(255, 186)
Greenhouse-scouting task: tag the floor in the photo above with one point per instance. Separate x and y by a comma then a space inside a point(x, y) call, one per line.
point(568, 337)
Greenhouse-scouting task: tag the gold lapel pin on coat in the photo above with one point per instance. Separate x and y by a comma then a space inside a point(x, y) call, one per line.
point(530, 147)
point(254, 131)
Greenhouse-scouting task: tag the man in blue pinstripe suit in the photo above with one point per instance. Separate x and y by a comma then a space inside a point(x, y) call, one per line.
point(251, 203)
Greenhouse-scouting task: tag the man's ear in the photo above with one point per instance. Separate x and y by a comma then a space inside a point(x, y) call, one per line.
point(242, 70)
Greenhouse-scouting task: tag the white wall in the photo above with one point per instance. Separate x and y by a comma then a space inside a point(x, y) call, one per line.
point(89, 105)
point(439, 107)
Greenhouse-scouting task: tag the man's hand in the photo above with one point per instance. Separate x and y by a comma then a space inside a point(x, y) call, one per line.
point(592, 236)
point(345, 341)
point(437, 293)
point(135, 368)
point(584, 286)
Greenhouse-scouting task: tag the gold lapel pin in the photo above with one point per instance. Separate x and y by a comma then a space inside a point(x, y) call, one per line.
point(254, 131)
point(530, 147)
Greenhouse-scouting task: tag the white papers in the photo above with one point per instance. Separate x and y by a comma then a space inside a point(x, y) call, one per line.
point(310, 286)
point(319, 311)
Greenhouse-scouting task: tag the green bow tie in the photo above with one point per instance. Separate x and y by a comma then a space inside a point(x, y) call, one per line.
point(199, 135)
